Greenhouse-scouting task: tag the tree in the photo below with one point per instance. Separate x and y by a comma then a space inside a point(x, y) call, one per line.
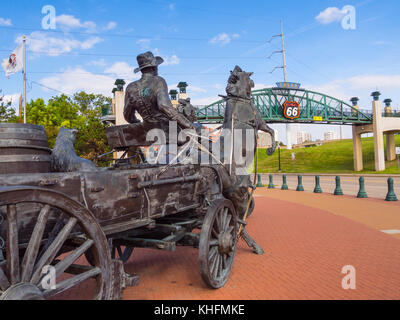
point(7, 112)
point(83, 112)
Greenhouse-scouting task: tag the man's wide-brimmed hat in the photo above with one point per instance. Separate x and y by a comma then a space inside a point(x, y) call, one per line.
point(146, 60)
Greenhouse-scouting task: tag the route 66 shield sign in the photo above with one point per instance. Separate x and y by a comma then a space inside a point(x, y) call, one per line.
point(291, 110)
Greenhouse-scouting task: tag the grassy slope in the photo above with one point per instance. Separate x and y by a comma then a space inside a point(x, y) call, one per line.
point(334, 157)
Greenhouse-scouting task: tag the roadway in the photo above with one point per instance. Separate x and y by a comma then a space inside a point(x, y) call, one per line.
point(376, 186)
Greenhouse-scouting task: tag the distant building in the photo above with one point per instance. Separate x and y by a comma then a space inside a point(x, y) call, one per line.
point(302, 137)
point(264, 139)
point(330, 135)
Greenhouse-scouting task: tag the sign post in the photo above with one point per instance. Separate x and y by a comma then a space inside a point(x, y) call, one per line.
point(398, 157)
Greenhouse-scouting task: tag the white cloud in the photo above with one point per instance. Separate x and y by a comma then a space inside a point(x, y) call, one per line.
point(168, 60)
point(196, 89)
point(111, 25)
point(71, 22)
point(329, 15)
point(43, 43)
point(122, 70)
point(5, 22)
point(77, 79)
point(171, 60)
point(221, 39)
point(361, 86)
point(204, 101)
point(13, 98)
point(144, 44)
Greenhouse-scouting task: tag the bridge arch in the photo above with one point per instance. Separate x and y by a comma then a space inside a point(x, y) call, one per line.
point(315, 107)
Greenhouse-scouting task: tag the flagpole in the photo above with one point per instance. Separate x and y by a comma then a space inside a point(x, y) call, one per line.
point(24, 41)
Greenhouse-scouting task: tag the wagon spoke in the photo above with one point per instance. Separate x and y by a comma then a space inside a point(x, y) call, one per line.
point(231, 228)
point(214, 243)
point(53, 249)
point(71, 282)
point(212, 254)
point(12, 244)
point(215, 268)
point(218, 222)
point(4, 284)
point(224, 218)
point(225, 261)
point(214, 233)
point(68, 261)
point(228, 221)
point(214, 261)
point(220, 265)
point(34, 244)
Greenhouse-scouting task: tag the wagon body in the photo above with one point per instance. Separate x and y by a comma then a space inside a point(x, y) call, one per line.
point(121, 200)
point(55, 219)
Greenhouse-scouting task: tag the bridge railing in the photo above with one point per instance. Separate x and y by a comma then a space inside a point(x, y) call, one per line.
point(313, 105)
point(393, 114)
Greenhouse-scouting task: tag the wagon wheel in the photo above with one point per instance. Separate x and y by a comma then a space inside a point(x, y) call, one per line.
point(218, 241)
point(41, 225)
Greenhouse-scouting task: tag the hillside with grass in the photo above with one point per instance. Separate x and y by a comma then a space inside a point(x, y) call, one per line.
point(333, 157)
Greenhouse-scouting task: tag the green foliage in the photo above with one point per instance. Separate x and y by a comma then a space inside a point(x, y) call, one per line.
point(334, 157)
point(83, 112)
point(7, 113)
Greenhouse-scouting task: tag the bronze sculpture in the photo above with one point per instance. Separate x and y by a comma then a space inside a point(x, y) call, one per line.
point(62, 219)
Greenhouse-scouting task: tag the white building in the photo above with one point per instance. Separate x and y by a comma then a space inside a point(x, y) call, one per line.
point(302, 137)
point(264, 139)
point(330, 135)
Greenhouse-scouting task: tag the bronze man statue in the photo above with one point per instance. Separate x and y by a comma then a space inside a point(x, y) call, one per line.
point(149, 96)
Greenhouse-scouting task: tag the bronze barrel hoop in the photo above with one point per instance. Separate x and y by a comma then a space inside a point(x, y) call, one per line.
point(218, 242)
point(23, 149)
point(47, 234)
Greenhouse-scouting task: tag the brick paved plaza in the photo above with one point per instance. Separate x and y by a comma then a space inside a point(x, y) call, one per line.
point(307, 238)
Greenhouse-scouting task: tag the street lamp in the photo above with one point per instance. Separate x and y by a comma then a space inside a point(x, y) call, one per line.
point(279, 156)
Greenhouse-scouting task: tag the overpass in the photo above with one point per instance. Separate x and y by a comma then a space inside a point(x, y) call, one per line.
point(319, 108)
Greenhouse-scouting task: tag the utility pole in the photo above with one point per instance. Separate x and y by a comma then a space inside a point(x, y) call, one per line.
point(283, 54)
point(284, 68)
point(24, 41)
point(288, 125)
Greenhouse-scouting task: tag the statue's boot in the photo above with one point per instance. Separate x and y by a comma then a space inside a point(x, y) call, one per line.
point(251, 243)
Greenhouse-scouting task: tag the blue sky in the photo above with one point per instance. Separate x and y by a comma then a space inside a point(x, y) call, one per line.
point(96, 42)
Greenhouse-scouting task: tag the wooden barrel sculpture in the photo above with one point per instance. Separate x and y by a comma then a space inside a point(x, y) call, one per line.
point(23, 149)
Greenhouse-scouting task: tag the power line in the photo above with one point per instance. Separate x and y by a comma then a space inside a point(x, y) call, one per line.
point(42, 85)
point(127, 55)
point(152, 38)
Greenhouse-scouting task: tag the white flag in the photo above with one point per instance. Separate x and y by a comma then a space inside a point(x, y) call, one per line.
point(15, 62)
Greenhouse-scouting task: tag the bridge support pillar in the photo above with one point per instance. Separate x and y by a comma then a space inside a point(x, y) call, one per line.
point(378, 133)
point(357, 150)
point(390, 147)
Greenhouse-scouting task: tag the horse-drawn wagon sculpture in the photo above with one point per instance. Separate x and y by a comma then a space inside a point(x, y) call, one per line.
point(62, 217)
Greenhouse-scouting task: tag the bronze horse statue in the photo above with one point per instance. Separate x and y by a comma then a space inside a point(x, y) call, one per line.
point(240, 114)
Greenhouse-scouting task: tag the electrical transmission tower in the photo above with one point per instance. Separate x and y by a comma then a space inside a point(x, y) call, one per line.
point(283, 67)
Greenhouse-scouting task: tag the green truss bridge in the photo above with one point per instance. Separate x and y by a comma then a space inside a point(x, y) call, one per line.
point(314, 108)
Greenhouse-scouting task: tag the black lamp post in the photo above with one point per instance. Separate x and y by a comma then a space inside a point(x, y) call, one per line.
point(279, 156)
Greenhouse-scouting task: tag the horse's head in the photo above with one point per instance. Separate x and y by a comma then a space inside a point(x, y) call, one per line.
point(240, 84)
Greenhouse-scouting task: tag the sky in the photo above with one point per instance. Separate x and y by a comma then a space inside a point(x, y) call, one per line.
point(96, 42)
